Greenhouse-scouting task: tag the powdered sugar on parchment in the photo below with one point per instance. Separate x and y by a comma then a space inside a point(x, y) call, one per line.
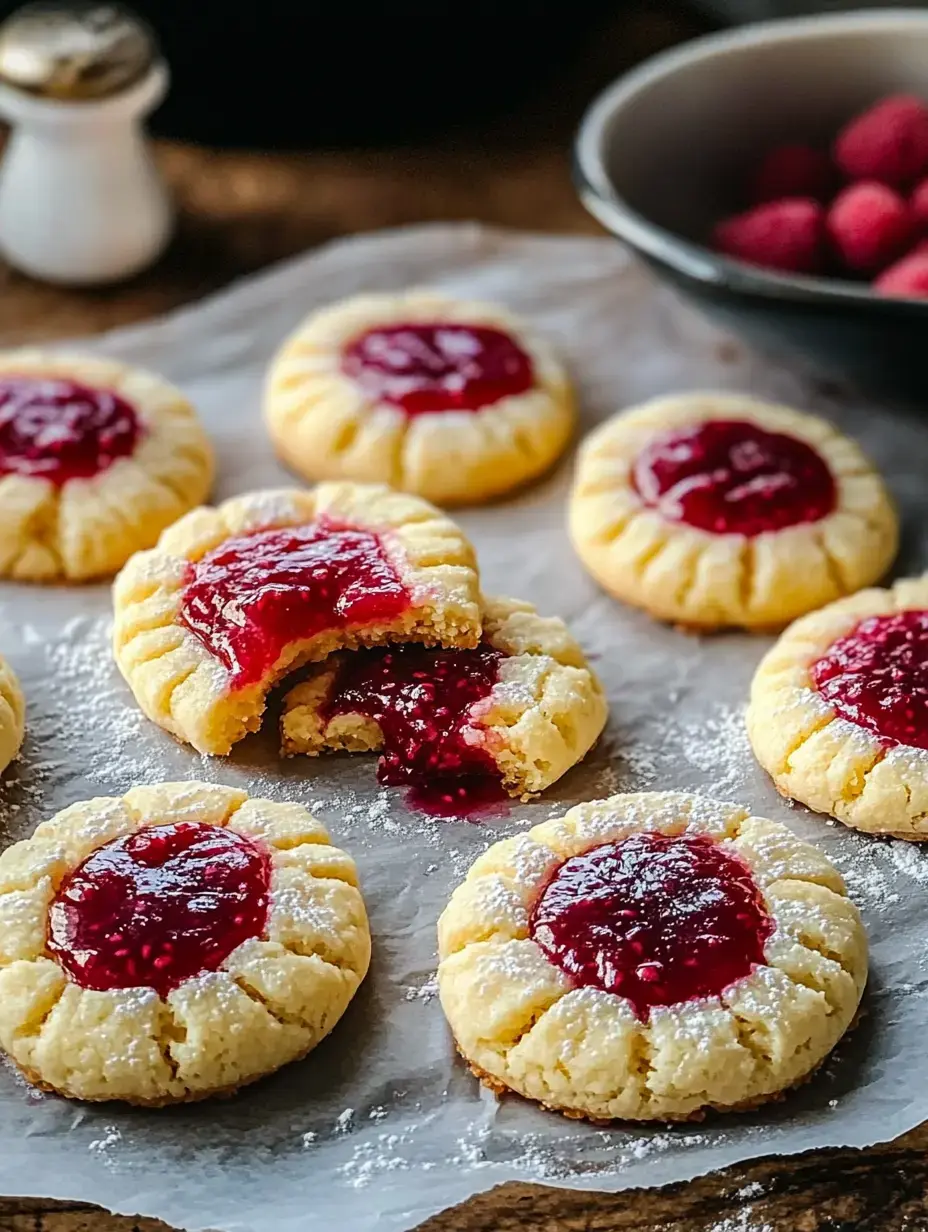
point(713, 749)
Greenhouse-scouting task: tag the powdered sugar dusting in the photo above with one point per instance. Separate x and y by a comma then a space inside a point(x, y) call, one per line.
point(109, 1140)
point(91, 699)
point(714, 748)
point(909, 858)
point(752, 1190)
point(718, 746)
point(425, 992)
point(743, 1221)
point(880, 872)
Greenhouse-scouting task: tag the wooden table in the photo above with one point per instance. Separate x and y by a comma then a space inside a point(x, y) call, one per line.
point(240, 212)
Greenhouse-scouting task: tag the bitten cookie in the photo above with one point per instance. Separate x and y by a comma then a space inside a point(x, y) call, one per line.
point(648, 957)
point(174, 944)
point(711, 510)
point(522, 707)
point(839, 710)
point(454, 400)
point(12, 714)
point(235, 597)
point(96, 459)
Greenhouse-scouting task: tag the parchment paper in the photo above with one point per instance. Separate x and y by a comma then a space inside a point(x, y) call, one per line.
point(381, 1126)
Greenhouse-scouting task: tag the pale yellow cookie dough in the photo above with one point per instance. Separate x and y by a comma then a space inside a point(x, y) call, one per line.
point(522, 1025)
point(686, 575)
point(542, 716)
point(12, 714)
point(325, 426)
point(88, 528)
point(827, 762)
point(272, 1000)
point(178, 682)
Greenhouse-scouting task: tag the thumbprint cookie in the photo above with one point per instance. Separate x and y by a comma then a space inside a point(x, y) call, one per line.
point(839, 710)
point(712, 510)
point(516, 711)
point(96, 459)
point(12, 714)
point(649, 957)
point(234, 597)
point(174, 943)
point(454, 400)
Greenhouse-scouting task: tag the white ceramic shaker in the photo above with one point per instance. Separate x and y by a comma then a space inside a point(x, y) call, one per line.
point(81, 201)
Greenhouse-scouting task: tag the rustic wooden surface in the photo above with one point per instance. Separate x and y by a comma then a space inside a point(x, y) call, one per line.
point(238, 213)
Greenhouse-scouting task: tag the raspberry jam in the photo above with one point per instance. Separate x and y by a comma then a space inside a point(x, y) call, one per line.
point(58, 430)
point(423, 369)
point(655, 919)
point(254, 596)
point(422, 699)
point(877, 677)
point(733, 478)
point(159, 907)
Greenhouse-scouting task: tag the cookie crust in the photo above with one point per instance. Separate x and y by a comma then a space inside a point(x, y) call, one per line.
point(325, 426)
point(543, 715)
point(88, 528)
point(691, 577)
point(829, 763)
point(183, 688)
point(12, 714)
point(270, 1002)
point(517, 1018)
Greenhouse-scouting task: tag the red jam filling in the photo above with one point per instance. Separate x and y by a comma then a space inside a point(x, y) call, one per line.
point(59, 430)
point(421, 699)
point(159, 907)
point(423, 369)
point(655, 919)
point(254, 596)
point(729, 477)
point(877, 677)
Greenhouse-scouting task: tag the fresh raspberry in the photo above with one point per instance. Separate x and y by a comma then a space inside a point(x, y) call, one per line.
point(785, 235)
point(888, 143)
point(907, 279)
point(918, 204)
point(792, 171)
point(869, 226)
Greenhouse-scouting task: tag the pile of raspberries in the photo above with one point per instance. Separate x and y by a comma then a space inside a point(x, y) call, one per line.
point(860, 211)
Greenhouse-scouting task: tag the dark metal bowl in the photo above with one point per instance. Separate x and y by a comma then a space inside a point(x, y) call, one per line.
point(659, 150)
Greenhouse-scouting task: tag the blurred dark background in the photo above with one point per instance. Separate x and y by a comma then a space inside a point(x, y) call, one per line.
point(292, 74)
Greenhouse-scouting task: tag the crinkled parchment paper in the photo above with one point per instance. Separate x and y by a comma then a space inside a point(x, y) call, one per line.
point(382, 1126)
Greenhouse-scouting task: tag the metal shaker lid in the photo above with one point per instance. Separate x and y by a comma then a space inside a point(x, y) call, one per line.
point(74, 50)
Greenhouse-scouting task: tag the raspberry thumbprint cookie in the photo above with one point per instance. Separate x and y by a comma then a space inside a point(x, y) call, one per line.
point(96, 459)
point(236, 596)
point(454, 400)
point(839, 710)
point(175, 943)
point(712, 510)
point(12, 714)
point(649, 957)
point(516, 711)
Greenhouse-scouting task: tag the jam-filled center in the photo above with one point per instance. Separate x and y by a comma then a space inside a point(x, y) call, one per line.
point(877, 676)
point(255, 596)
point(423, 702)
point(730, 477)
point(59, 430)
point(423, 369)
point(159, 907)
point(656, 919)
